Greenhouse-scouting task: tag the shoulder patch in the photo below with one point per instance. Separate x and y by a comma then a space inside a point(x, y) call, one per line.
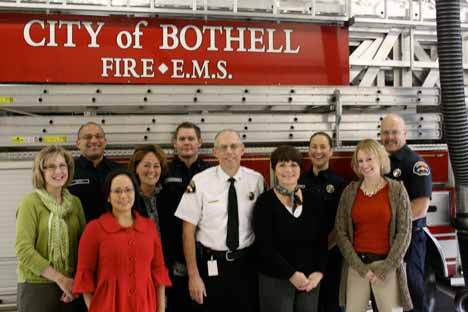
point(420, 168)
point(191, 187)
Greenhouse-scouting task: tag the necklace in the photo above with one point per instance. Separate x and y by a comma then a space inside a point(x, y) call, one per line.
point(373, 189)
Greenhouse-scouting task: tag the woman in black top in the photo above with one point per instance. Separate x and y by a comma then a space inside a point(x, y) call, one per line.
point(291, 239)
point(148, 164)
point(324, 182)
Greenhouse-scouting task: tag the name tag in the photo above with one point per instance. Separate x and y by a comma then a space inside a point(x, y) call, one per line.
point(173, 180)
point(212, 268)
point(79, 181)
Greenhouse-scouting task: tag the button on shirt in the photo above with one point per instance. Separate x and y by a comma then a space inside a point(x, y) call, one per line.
point(206, 207)
point(88, 183)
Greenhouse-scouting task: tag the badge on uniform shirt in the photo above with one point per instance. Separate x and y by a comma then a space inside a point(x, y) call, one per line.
point(251, 195)
point(421, 169)
point(396, 173)
point(191, 187)
point(79, 181)
point(330, 188)
point(173, 180)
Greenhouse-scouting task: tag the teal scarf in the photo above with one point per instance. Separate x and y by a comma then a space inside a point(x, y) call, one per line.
point(58, 238)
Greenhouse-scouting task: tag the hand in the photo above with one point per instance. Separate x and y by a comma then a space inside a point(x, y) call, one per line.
point(66, 299)
point(66, 285)
point(197, 289)
point(299, 280)
point(371, 277)
point(314, 279)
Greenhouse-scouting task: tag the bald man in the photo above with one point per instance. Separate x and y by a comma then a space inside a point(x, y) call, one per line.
point(409, 167)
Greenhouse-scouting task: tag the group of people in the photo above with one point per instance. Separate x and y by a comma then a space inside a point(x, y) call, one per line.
point(95, 235)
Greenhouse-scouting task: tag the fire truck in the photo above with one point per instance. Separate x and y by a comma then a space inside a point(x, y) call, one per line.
point(275, 71)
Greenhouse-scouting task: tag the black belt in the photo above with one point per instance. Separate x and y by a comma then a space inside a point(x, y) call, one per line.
point(370, 257)
point(227, 255)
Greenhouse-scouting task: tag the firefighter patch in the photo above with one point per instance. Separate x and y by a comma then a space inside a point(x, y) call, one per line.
point(330, 188)
point(396, 173)
point(420, 168)
point(191, 187)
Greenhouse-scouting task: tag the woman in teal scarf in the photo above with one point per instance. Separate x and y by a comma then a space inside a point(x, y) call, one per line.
point(49, 222)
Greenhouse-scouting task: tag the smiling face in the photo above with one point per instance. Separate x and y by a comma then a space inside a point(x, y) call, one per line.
point(91, 142)
point(186, 143)
point(55, 172)
point(287, 173)
point(229, 150)
point(368, 164)
point(320, 152)
point(393, 133)
point(122, 195)
point(149, 170)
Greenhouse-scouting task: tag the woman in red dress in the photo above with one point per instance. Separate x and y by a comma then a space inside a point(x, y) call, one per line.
point(120, 261)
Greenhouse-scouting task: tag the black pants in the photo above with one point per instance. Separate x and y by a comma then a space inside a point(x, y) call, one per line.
point(40, 297)
point(279, 295)
point(235, 289)
point(330, 284)
point(415, 258)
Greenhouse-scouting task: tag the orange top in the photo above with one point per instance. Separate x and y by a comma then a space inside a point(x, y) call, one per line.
point(371, 219)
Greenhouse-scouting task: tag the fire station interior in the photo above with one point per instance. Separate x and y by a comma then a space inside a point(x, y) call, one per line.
point(393, 67)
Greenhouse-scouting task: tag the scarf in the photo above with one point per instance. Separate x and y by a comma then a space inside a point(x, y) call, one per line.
point(295, 200)
point(58, 237)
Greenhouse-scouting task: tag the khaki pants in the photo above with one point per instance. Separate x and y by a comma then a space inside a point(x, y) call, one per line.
point(386, 293)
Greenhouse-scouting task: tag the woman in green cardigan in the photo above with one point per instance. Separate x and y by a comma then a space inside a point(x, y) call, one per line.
point(49, 222)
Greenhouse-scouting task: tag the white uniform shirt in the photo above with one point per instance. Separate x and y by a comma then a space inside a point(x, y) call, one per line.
point(206, 207)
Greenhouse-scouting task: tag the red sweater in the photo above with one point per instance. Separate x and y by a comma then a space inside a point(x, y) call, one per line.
point(371, 219)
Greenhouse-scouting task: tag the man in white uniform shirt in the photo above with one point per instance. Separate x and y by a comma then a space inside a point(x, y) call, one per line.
point(216, 211)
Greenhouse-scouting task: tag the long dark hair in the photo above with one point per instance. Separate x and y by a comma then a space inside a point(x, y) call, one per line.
point(138, 205)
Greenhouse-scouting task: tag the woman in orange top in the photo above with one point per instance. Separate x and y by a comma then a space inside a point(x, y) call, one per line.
point(373, 226)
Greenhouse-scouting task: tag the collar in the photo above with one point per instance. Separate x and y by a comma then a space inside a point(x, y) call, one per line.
point(400, 154)
point(323, 174)
point(179, 163)
point(85, 162)
point(110, 224)
point(223, 176)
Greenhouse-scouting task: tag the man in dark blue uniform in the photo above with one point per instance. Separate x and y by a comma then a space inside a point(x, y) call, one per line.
point(324, 182)
point(187, 141)
point(91, 169)
point(410, 168)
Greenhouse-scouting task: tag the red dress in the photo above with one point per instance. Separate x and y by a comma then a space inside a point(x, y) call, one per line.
point(120, 266)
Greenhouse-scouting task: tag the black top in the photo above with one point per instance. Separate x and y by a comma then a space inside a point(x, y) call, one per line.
point(175, 182)
point(88, 183)
point(286, 244)
point(409, 167)
point(329, 187)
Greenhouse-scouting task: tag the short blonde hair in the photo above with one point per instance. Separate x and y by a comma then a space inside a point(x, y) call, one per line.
point(39, 163)
point(374, 148)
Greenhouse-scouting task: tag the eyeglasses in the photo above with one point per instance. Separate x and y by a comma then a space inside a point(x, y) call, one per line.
point(89, 137)
point(120, 191)
point(225, 147)
point(53, 167)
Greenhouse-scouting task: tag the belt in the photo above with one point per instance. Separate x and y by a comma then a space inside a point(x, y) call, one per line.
point(370, 257)
point(227, 255)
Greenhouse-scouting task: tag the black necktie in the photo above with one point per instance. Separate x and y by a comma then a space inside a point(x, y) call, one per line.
point(232, 237)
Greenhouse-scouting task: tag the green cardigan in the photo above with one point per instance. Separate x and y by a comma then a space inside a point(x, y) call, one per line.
point(400, 236)
point(32, 218)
